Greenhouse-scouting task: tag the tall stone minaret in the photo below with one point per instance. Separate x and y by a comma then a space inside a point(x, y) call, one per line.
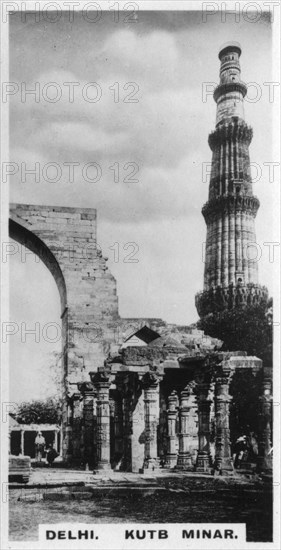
point(231, 269)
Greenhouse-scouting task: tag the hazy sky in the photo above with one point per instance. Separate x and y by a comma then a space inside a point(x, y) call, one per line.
point(162, 60)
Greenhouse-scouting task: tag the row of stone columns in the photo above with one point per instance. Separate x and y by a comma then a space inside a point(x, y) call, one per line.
point(151, 415)
point(178, 445)
point(181, 459)
point(223, 462)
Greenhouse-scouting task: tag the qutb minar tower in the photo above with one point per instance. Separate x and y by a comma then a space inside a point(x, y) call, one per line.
point(231, 276)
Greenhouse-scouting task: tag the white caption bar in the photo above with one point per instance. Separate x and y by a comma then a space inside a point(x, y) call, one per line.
point(155, 536)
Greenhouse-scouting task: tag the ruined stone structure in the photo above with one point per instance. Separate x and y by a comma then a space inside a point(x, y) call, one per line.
point(161, 406)
point(231, 269)
point(140, 394)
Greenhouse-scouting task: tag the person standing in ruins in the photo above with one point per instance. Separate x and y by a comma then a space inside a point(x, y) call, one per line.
point(39, 446)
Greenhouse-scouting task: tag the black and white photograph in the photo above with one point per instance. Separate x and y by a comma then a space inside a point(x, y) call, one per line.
point(140, 260)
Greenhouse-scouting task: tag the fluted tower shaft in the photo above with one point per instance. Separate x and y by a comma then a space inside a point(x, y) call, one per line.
point(231, 269)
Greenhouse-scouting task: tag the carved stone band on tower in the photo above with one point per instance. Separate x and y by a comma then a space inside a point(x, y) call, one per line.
point(231, 266)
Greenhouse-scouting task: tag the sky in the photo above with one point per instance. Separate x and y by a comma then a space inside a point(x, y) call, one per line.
point(145, 123)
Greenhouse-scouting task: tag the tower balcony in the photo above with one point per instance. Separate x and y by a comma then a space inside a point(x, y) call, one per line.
point(230, 203)
point(233, 129)
point(228, 87)
point(219, 299)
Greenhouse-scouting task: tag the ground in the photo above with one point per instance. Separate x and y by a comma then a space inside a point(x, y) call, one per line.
point(54, 496)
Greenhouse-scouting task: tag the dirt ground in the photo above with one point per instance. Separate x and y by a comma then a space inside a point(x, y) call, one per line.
point(255, 511)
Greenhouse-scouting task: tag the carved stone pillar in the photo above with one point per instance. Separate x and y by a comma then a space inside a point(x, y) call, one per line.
point(150, 384)
point(162, 436)
point(87, 390)
point(76, 427)
point(67, 443)
point(22, 442)
point(203, 462)
point(101, 381)
point(223, 457)
point(184, 456)
point(265, 418)
point(171, 458)
point(127, 396)
point(118, 428)
point(111, 426)
point(131, 435)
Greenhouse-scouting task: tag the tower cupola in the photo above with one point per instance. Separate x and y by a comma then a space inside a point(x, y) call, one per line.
point(230, 92)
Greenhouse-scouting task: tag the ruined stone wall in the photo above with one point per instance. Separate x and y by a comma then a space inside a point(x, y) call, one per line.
point(90, 307)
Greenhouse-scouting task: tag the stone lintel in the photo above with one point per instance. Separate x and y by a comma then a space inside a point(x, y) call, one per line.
point(141, 369)
point(240, 362)
point(131, 368)
point(143, 355)
point(230, 354)
point(171, 364)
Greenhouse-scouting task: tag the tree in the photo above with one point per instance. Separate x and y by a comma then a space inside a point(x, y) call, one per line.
point(245, 329)
point(40, 411)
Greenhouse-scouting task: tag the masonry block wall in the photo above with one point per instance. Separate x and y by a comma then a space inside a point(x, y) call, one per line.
point(65, 240)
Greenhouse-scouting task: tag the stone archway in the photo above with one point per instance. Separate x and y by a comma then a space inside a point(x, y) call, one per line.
point(65, 240)
point(20, 231)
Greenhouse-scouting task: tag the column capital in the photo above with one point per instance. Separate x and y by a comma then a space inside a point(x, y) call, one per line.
point(85, 388)
point(101, 379)
point(224, 373)
point(203, 377)
point(151, 379)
